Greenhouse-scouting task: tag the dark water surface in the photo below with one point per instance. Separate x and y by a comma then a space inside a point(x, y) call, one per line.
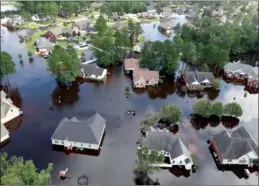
point(35, 91)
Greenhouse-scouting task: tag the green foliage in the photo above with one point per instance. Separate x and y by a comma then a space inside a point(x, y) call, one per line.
point(7, 65)
point(18, 171)
point(101, 25)
point(149, 120)
point(216, 83)
point(29, 53)
point(161, 81)
point(20, 55)
point(127, 89)
point(134, 30)
point(217, 108)
point(123, 7)
point(147, 158)
point(161, 56)
point(233, 109)
point(202, 107)
point(64, 64)
point(170, 113)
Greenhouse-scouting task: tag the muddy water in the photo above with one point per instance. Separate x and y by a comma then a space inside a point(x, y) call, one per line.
point(37, 92)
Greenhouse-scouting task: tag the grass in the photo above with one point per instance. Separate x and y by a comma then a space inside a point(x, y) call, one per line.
point(63, 43)
point(10, 3)
point(30, 43)
point(147, 20)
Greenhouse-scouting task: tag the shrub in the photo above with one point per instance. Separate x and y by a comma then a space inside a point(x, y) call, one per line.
point(160, 81)
point(217, 108)
point(127, 89)
point(29, 54)
point(216, 83)
point(202, 108)
point(20, 55)
point(233, 109)
point(170, 113)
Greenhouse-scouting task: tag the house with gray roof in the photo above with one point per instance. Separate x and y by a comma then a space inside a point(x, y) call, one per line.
point(92, 72)
point(235, 148)
point(81, 25)
point(198, 80)
point(82, 134)
point(167, 25)
point(166, 12)
point(173, 147)
point(44, 46)
point(8, 110)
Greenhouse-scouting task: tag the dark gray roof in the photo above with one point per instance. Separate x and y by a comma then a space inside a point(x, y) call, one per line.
point(236, 144)
point(167, 23)
point(242, 68)
point(57, 30)
point(92, 70)
point(88, 131)
point(201, 76)
point(191, 76)
point(165, 141)
point(42, 43)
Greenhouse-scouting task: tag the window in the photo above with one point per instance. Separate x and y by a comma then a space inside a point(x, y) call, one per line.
point(229, 160)
point(180, 162)
point(173, 161)
point(187, 160)
point(82, 144)
point(63, 142)
point(89, 145)
point(242, 161)
point(56, 141)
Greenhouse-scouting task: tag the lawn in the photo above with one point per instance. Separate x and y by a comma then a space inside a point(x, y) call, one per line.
point(64, 43)
point(30, 43)
point(147, 20)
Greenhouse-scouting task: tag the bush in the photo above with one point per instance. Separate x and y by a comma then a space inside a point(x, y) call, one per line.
point(78, 33)
point(233, 109)
point(20, 55)
point(216, 83)
point(127, 89)
point(202, 108)
point(217, 108)
point(65, 23)
point(170, 113)
point(29, 53)
point(160, 81)
point(21, 40)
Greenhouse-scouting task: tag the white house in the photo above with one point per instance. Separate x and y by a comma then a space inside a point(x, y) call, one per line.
point(4, 133)
point(171, 146)
point(8, 110)
point(93, 72)
point(235, 148)
point(73, 133)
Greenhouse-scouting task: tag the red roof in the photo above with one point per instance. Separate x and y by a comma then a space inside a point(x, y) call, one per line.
point(146, 74)
point(131, 63)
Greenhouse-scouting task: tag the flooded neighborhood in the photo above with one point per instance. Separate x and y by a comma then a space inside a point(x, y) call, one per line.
point(114, 100)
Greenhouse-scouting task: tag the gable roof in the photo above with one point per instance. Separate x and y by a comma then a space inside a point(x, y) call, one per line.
point(199, 77)
point(236, 144)
point(83, 24)
point(43, 43)
point(57, 30)
point(167, 24)
point(145, 74)
point(88, 131)
point(164, 140)
point(92, 70)
point(131, 63)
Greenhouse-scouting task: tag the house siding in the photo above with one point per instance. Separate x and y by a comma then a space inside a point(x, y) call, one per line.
point(51, 36)
point(5, 137)
point(75, 144)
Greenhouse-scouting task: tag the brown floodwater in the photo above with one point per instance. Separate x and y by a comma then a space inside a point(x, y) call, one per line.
point(34, 90)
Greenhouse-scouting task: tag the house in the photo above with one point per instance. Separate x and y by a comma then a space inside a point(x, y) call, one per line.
point(235, 148)
point(92, 72)
point(44, 46)
point(144, 77)
point(151, 11)
point(167, 12)
point(218, 13)
point(54, 33)
point(81, 25)
point(242, 72)
point(8, 110)
point(14, 22)
point(198, 80)
point(167, 25)
point(75, 133)
point(173, 147)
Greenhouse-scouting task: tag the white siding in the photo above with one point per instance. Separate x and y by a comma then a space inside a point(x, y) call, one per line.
point(180, 161)
point(139, 84)
point(75, 144)
point(3, 138)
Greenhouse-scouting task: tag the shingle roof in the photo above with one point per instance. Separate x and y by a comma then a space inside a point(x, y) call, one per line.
point(83, 24)
point(44, 43)
point(88, 131)
point(145, 74)
point(240, 67)
point(163, 140)
point(190, 76)
point(92, 70)
point(57, 30)
point(131, 63)
point(236, 144)
point(167, 24)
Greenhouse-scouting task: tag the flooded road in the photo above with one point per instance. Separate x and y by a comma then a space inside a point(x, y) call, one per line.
point(37, 92)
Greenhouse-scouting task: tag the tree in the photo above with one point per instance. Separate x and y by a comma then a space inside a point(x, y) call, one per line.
point(160, 56)
point(178, 43)
point(216, 83)
point(202, 108)
point(233, 109)
point(101, 25)
point(26, 16)
point(23, 172)
point(7, 66)
point(188, 51)
point(145, 162)
point(149, 120)
point(217, 108)
point(53, 10)
point(64, 64)
point(170, 113)
point(121, 42)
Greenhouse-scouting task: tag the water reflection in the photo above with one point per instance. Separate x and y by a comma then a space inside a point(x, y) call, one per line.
point(65, 96)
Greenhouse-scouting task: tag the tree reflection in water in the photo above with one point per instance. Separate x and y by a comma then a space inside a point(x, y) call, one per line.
point(64, 96)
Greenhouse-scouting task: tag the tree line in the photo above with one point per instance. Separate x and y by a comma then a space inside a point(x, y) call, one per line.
point(206, 42)
point(204, 108)
point(113, 44)
point(17, 171)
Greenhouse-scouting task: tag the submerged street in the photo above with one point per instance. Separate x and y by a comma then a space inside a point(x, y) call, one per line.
point(35, 90)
